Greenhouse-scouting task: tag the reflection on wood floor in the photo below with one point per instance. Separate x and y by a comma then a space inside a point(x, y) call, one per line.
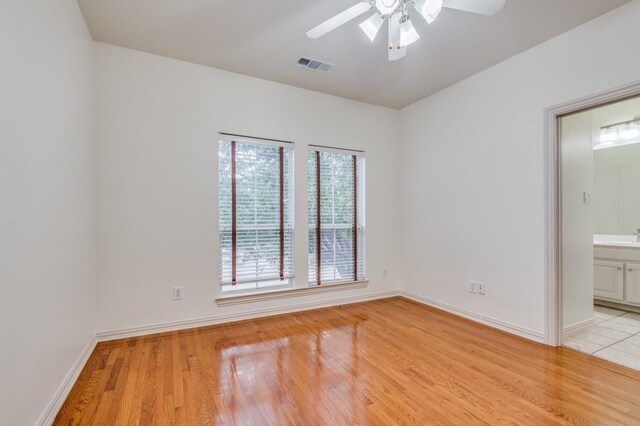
point(390, 361)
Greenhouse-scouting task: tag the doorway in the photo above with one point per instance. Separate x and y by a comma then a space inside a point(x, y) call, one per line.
point(594, 228)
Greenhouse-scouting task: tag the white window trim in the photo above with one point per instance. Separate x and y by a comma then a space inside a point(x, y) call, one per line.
point(288, 290)
point(364, 228)
point(336, 150)
point(228, 137)
point(231, 137)
point(258, 296)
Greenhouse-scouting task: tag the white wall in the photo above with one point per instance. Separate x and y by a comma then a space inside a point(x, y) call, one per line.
point(576, 138)
point(158, 121)
point(473, 176)
point(47, 211)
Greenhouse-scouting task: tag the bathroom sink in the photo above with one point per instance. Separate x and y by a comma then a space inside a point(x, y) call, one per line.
point(616, 240)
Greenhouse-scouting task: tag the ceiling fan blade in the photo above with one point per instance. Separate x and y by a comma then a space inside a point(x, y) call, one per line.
point(482, 7)
point(372, 26)
point(341, 18)
point(396, 51)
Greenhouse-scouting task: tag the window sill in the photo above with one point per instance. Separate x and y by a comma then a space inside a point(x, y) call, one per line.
point(237, 299)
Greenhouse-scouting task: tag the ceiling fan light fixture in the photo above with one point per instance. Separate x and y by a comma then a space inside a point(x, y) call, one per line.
point(429, 9)
point(396, 13)
point(408, 33)
point(372, 26)
point(387, 7)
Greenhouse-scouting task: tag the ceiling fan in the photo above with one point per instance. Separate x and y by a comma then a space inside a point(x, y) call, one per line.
point(401, 30)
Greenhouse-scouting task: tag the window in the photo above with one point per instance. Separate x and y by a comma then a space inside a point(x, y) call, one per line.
point(256, 214)
point(336, 216)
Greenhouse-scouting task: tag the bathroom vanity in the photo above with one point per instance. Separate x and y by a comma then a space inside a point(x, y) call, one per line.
point(616, 270)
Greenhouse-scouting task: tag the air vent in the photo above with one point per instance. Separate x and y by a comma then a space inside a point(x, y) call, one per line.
point(314, 64)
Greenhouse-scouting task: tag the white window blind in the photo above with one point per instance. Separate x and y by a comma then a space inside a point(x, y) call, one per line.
point(336, 216)
point(256, 214)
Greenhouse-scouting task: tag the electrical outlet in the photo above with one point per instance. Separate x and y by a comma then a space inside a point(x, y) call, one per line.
point(472, 287)
point(177, 293)
point(384, 272)
point(480, 287)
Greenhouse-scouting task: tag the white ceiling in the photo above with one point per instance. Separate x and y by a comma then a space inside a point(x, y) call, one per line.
point(264, 38)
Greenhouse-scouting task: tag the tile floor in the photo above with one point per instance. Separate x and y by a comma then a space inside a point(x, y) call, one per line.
point(615, 337)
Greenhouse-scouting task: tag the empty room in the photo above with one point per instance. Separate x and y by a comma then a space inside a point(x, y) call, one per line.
point(307, 212)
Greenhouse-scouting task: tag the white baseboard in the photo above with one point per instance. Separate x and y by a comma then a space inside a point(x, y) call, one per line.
point(61, 394)
point(483, 319)
point(578, 326)
point(220, 319)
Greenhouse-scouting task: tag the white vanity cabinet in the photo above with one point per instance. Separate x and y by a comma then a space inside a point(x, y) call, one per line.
point(616, 273)
point(632, 277)
point(608, 279)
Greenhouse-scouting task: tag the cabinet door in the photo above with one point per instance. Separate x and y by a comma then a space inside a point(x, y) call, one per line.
point(608, 279)
point(633, 282)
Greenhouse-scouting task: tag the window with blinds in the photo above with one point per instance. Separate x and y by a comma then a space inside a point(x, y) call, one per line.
point(256, 214)
point(336, 216)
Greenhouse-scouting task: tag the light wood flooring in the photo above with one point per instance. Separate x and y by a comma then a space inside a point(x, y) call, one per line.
point(384, 362)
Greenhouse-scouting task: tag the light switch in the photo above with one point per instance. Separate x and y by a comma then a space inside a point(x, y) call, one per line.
point(586, 197)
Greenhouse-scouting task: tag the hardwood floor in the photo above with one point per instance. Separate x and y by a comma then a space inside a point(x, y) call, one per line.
point(386, 362)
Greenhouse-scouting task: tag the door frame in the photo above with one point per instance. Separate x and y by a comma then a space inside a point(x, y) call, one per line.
point(553, 199)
